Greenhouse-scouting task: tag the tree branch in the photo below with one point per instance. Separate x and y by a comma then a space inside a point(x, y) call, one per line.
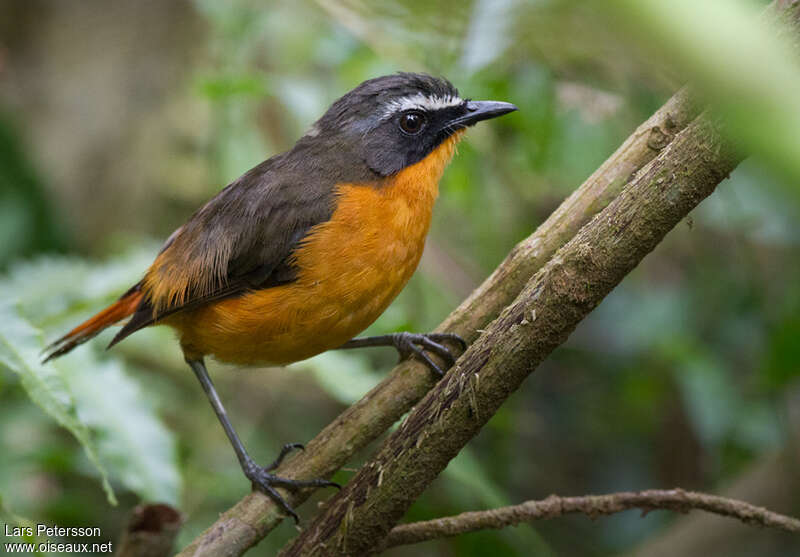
point(255, 515)
point(772, 481)
point(676, 500)
point(550, 306)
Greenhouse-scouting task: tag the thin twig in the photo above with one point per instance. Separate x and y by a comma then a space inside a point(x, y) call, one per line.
point(772, 481)
point(593, 506)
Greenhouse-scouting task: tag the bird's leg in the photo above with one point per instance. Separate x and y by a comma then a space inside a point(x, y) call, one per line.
point(260, 476)
point(414, 343)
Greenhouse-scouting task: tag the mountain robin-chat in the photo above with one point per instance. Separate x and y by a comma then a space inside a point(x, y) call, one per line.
point(307, 249)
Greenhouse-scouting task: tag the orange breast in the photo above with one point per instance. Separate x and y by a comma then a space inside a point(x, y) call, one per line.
point(350, 268)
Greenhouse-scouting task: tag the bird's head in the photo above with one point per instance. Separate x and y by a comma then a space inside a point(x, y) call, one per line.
point(396, 120)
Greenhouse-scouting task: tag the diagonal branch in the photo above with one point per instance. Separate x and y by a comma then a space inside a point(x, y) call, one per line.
point(255, 515)
point(593, 506)
point(550, 306)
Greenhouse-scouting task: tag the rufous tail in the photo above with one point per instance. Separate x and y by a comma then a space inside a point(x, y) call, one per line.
point(114, 313)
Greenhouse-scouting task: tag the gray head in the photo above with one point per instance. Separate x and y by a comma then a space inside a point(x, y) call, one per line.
point(394, 121)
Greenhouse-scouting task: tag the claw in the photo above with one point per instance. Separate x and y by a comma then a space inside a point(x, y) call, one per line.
point(287, 448)
point(265, 482)
point(425, 358)
point(452, 337)
point(409, 343)
point(439, 349)
point(260, 477)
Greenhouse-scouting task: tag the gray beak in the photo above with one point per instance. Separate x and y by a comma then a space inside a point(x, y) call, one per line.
point(482, 110)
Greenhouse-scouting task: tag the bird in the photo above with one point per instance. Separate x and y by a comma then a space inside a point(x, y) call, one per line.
point(305, 250)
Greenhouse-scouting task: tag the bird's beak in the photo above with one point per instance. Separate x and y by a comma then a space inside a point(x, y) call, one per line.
point(482, 110)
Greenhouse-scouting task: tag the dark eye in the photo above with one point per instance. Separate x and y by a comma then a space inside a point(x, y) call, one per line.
point(412, 122)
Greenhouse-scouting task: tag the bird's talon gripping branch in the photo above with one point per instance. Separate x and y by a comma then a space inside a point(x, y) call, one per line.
point(411, 343)
point(413, 349)
point(448, 337)
point(265, 482)
point(287, 448)
point(408, 344)
point(258, 475)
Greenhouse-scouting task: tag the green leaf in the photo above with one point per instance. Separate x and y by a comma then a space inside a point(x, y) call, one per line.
point(131, 439)
point(58, 291)
point(712, 401)
point(84, 393)
point(20, 345)
point(226, 86)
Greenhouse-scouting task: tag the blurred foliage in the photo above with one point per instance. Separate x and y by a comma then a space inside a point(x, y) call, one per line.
point(46, 386)
point(27, 224)
point(686, 375)
point(757, 87)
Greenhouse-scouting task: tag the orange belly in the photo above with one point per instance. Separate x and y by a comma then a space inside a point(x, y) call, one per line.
point(350, 268)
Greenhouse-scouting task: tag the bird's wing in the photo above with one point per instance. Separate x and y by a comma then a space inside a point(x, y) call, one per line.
point(240, 240)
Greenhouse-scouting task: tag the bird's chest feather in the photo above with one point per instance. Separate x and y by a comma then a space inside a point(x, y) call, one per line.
point(360, 259)
point(357, 262)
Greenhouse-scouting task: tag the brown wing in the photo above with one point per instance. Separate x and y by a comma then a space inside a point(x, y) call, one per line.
point(240, 240)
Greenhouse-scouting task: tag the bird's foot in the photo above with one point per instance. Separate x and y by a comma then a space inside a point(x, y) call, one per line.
point(285, 450)
point(416, 343)
point(266, 483)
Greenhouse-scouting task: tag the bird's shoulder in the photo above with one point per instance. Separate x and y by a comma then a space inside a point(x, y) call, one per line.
point(239, 238)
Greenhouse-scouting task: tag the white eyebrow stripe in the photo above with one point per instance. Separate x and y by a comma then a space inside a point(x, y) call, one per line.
point(422, 102)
